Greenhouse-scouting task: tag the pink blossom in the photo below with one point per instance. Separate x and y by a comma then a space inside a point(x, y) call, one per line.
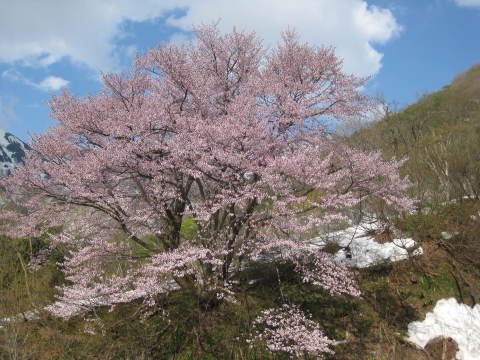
point(321, 269)
point(287, 329)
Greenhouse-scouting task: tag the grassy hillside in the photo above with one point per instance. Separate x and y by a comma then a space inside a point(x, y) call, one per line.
point(440, 135)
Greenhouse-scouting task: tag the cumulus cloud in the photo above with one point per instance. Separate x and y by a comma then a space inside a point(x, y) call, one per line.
point(50, 83)
point(351, 26)
point(40, 33)
point(53, 83)
point(468, 3)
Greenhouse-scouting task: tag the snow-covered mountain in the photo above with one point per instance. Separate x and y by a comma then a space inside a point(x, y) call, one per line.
point(12, 152)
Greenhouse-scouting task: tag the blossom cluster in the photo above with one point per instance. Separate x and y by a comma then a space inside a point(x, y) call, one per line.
point(321, 269)
point(288, 329)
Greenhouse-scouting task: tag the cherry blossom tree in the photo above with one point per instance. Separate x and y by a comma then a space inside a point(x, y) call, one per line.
point(219, 132)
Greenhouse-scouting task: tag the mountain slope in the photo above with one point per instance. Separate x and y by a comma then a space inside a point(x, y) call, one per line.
point(12, 152)
point(440, 135)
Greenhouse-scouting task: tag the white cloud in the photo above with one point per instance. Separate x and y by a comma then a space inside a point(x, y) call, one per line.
point(468, 3)
point(14, 75)
point(350, 25)
point(50, 83)
point(53, 83)
point(180, 38)
point(40, 33)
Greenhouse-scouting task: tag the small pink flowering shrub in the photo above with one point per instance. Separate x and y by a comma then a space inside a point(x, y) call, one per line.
point(289, 330)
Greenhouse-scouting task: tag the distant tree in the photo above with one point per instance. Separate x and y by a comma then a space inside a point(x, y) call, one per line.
point(220, 134)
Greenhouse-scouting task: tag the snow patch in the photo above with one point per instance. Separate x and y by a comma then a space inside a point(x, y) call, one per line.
point(361, 251)
point(450, 319)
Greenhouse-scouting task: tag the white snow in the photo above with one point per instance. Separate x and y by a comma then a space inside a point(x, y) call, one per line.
point(450, 319)
point(362, 251)
point(9, 160)
point(7, 138)
point(3, 139)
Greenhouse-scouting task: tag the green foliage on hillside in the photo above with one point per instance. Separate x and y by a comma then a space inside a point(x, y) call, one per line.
point(440, 135)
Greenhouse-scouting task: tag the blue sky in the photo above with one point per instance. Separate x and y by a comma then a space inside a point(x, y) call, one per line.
point(408, 47)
